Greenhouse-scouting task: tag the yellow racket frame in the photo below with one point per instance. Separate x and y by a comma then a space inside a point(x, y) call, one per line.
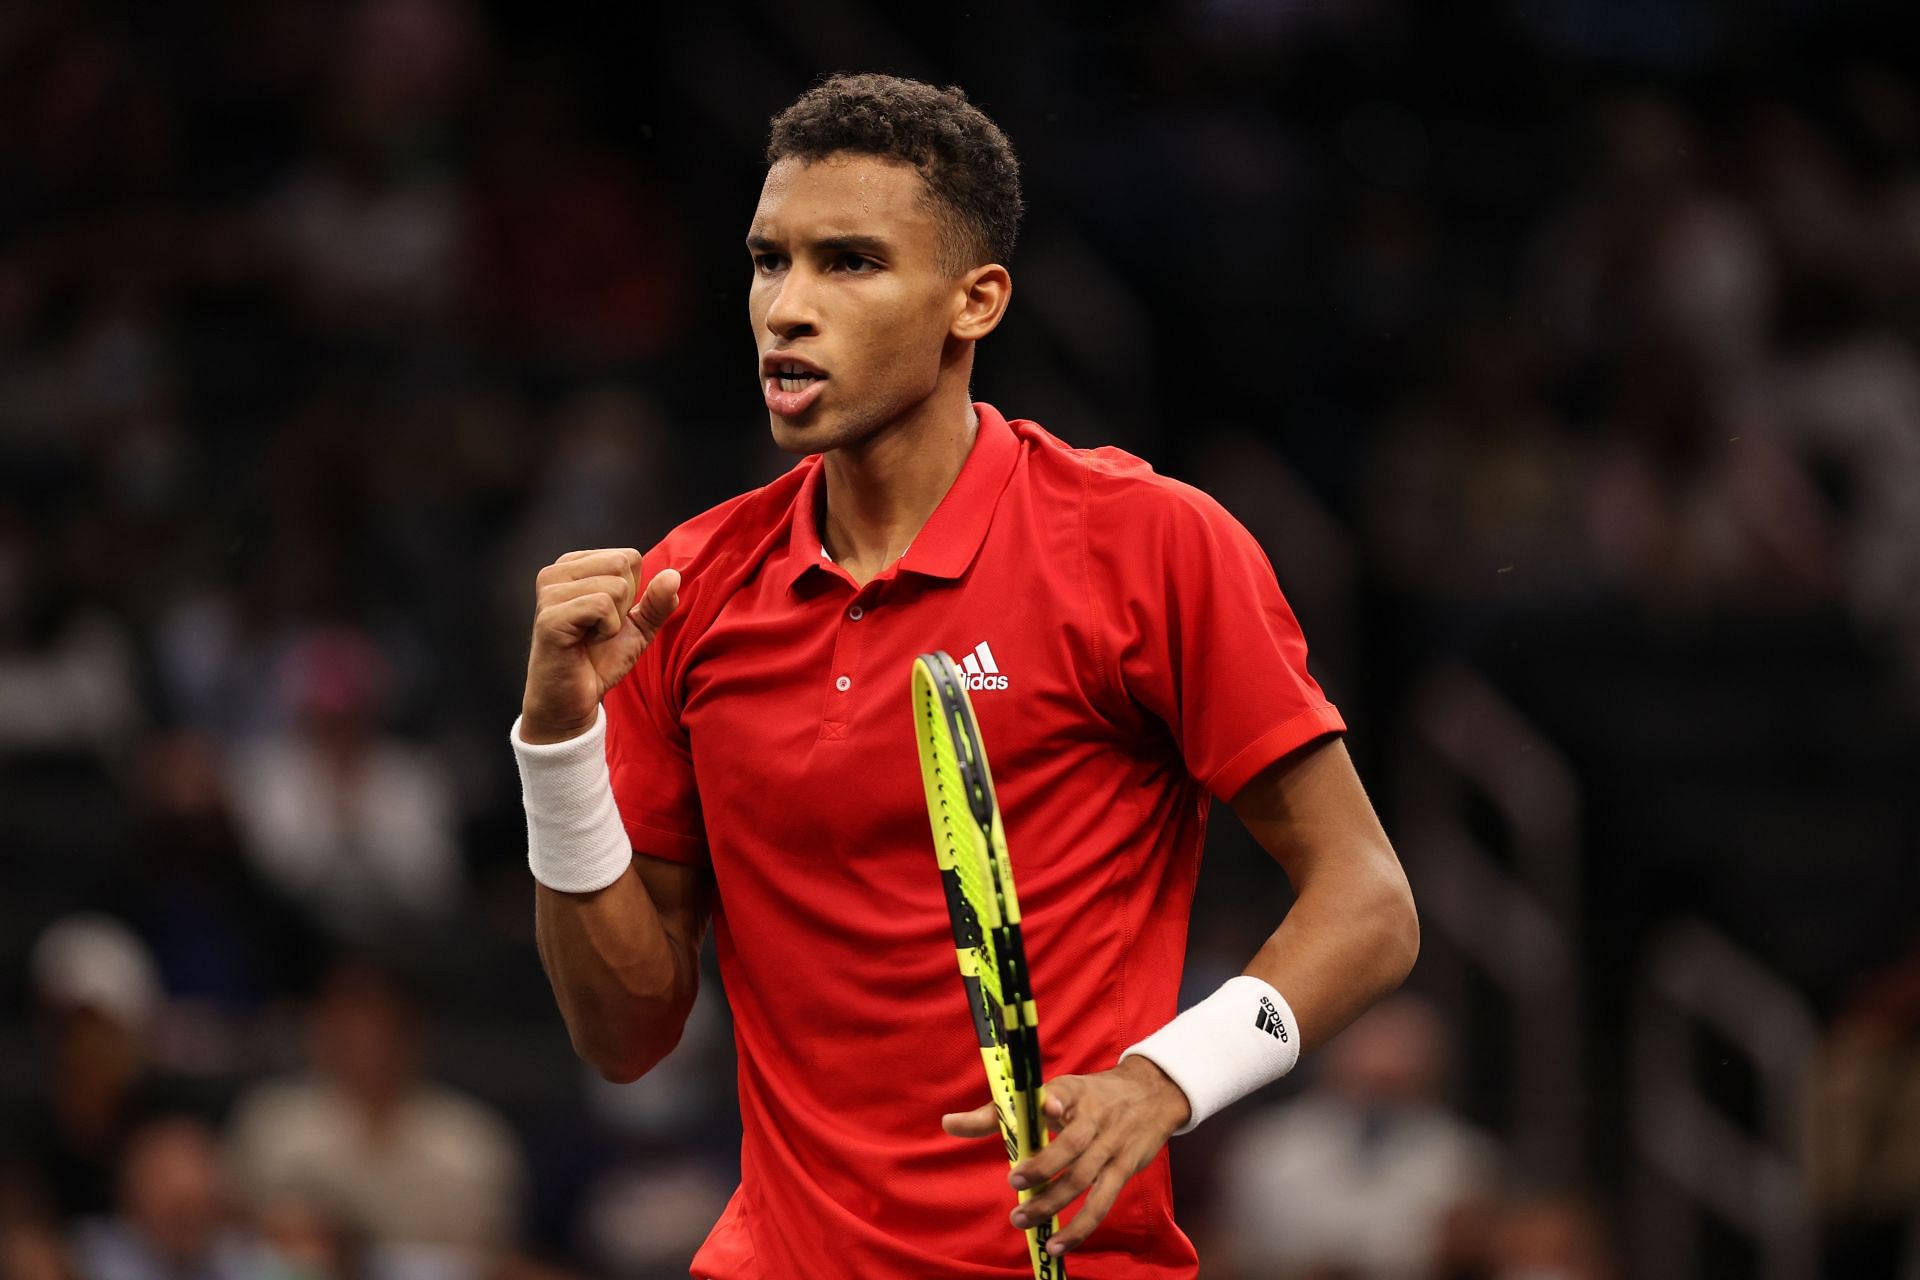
point(971, 848)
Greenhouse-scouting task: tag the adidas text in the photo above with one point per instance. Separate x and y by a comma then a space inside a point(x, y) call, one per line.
point(979, 671)
point(1270, 1021)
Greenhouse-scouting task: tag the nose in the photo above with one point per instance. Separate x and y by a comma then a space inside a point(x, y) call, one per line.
point(792, 313)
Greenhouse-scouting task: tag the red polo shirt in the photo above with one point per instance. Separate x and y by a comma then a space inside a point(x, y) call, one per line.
point(1136, 657)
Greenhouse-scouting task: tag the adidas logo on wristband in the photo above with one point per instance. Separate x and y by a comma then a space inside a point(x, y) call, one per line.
point(1208, 1053)
point(1270, 1021)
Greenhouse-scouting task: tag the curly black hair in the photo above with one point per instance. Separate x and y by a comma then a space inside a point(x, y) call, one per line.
point(966, 162)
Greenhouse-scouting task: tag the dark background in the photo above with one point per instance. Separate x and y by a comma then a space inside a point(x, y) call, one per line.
point(1562, 354)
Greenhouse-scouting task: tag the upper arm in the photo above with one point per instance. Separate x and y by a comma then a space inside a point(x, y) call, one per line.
point(1310, 812)
point(682, 895)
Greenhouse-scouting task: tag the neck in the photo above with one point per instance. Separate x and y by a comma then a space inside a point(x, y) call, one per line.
point(880, 492)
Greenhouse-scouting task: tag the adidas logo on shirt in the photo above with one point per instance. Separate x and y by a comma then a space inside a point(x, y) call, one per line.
point(980, 671)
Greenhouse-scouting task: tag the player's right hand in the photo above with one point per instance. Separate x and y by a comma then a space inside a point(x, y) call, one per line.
point(591, 623)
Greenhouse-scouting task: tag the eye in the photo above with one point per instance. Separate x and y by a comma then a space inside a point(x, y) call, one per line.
point(854, 264)
point(768, 262)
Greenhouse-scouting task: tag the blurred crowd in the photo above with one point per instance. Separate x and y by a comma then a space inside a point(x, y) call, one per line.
point(1579, 348)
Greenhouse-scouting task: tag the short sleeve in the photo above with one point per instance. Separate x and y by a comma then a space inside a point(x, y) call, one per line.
point(1202, 637)
point(648, 753)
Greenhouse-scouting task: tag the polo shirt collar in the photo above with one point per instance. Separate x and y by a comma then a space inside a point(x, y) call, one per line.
point(952, 536)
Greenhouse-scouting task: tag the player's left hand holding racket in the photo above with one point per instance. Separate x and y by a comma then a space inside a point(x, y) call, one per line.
point(1110, 1124)
point(1105, 1128)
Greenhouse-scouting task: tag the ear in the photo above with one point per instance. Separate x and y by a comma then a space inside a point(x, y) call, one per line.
point(983, 294)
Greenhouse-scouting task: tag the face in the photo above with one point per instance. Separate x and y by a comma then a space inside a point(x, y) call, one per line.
point(847, 283)
point(365, 1038)
point(171, 1188)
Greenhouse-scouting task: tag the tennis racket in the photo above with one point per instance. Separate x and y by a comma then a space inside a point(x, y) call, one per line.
point(971, 848)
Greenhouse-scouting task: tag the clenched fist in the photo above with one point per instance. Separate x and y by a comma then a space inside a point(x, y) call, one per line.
point(591, 623)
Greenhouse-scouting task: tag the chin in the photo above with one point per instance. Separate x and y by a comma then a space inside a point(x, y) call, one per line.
point(818, 431)
point(796, 436)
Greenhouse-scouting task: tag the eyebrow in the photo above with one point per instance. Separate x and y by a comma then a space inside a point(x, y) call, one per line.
point(826, 244)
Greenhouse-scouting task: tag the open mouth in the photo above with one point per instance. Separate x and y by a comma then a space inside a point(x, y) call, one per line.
point(793, 377)
point(791, 388)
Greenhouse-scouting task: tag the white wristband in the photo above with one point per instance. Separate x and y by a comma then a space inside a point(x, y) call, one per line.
point(576, 842)
point(1239, 1038)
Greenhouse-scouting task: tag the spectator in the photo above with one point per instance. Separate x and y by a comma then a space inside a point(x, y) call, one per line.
point(67, 666)
point(1356, 1177)
point(1864, 1125)
point(309, 1241)
point(567, 252)
point(398, 1158)
point(173, 1218)
point(1474, 491)
point(33, 1250)
point(99, 998)
point(1550, 1238)
point(369, 224)
point(1696, 507)
point(224, 941)
point(356, 825)
point(1847, 403)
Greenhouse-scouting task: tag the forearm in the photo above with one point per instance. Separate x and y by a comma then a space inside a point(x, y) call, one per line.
point(624, 983)
point(618, 933)
point(1350, 939)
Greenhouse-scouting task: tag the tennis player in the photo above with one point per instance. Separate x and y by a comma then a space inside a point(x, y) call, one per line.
point(720, 730)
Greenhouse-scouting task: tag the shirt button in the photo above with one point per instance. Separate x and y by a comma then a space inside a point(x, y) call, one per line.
point(843, 684)
point(856, 613)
